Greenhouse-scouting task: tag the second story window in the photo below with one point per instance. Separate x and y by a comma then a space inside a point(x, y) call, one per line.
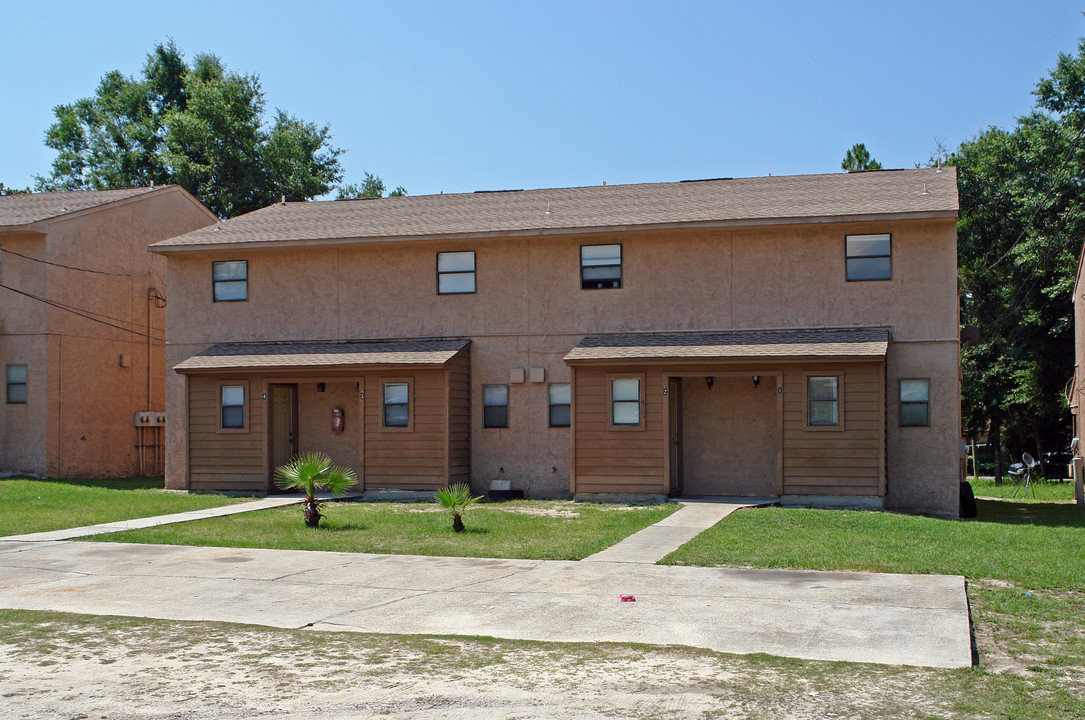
point(868, 257)
point(16, 380)
point(231, 280)
point(600, 266)
point(455, 273)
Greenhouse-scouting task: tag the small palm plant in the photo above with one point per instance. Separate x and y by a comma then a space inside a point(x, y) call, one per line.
point(456, 498)
point(308, 472)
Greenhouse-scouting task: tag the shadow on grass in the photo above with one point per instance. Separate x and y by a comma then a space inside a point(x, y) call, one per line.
point(137, 483)
point(1048, 514)
point(341, 527)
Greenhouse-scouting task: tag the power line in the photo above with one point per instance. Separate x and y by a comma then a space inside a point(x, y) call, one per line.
point(66, 267)
point(80, 313)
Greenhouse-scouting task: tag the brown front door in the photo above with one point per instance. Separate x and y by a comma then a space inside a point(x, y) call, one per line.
point(284, 427)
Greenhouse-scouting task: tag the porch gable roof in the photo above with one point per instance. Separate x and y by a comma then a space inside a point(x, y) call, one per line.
point(859, 343)
point(351, 353)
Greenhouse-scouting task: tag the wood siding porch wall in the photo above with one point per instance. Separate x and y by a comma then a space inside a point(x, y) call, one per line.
point(849, 460)
point(233, 460)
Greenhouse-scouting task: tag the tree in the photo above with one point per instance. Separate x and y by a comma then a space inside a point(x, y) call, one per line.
point(858, 158)
point(1022, 220)
point(4, 190)
point(197, 125)
point(371, 187)
point(309, 472)
point(456, 498)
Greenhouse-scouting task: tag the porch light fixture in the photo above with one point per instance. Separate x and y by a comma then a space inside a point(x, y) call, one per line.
point(756, 381)
point(320, 387)
point(710, 381)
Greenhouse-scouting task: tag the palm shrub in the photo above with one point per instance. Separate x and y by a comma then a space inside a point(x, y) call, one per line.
point(456, 498)
point(310, 471)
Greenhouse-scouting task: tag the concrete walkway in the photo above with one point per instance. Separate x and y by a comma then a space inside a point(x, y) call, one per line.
point(272, 501)
point(865, 617)
point(655, 542)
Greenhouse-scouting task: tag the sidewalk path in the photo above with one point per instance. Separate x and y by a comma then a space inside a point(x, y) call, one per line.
point(156, 520)
point(865, 617)
point(655, 542)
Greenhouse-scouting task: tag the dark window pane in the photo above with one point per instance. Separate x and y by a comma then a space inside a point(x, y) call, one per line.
point(868, 268)
point(16, 373)
point(606, 272)
point(232, 290)
point(914, 414)
point(823, 412)
point(495, 416)
point(396, 416)
point(559, 416)
point(16, 393)
point(233, 416)
point(822, 388)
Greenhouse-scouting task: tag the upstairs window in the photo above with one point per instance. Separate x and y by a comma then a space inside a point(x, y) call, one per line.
point(231, 280)
point(600, 266)
point(495, 406)
point(823, 401)
point(397, 405)
point(16, 380)
point(868, 257)
point(560, 400)
point(915, 396)
point(455, 273)
point(232, 406)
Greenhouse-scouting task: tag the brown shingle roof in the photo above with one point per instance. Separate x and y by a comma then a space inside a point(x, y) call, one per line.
point(869, 343)
point(279, 355)
point(33, 207)
point(744, 200)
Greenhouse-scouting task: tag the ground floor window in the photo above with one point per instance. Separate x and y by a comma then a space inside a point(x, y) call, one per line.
point(232, 406)
point(397, 405)
point(495, 406)
point(16, 381)
point(915, 402)
point(560, 400)
point(823, 400)
point(625, 401)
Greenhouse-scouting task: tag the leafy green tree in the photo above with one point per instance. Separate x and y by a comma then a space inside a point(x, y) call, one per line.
point(858, 158)
point(1020, 232)
point(371, 187)
point(4, 190)
point(198, 125)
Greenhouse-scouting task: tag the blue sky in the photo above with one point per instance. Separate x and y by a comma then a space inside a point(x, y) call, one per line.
point(462, 96)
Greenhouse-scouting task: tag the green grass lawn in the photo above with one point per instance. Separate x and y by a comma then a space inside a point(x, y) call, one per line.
point(1025, 567)
point(28, 506)
point(547, 530)
point(1044, 490)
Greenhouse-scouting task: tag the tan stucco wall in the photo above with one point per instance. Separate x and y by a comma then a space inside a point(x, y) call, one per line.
point(529, 309)
point(91, 400)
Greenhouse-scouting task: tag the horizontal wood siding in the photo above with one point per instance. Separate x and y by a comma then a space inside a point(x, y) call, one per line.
point(229, 460)
point(836, 462)
point(459, 419)
point(617, 460)
point(414, 459)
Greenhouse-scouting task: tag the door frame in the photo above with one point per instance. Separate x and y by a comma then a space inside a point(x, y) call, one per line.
point(293, 387)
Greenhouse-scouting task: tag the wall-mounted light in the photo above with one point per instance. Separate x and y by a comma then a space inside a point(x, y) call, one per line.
point(710, 381)
point(320, 387)
point(756, 381)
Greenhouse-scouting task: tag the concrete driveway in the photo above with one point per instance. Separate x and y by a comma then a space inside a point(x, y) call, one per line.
point(865, 617)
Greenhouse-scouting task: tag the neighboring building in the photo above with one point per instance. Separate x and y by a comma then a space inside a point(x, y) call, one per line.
point(79, 295)
point(786, 336)
point(1077, 387)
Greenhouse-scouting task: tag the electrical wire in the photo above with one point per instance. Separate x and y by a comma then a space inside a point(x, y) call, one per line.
point(80, 313)
point(5, 251)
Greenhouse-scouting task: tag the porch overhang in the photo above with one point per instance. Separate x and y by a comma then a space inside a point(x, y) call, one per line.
point(310, 356)
point(854, 344)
